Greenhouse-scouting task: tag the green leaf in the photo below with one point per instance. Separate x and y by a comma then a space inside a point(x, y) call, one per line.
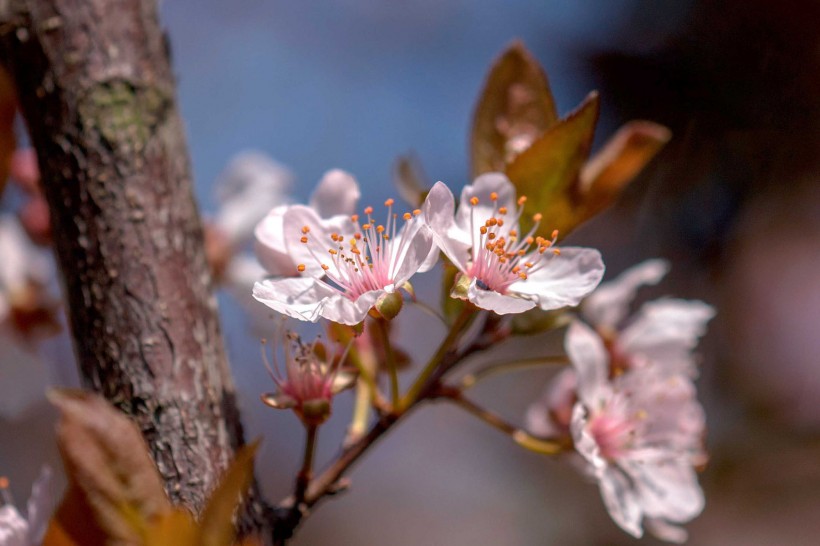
point(515, 106)
point(548, 171)
point(615, 165)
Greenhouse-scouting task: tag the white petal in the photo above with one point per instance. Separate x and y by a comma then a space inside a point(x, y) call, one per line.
point(250, 186)
point(40, 505)
point(667, 331)
point(556, 400)
point(621, 501)
point(438, 210)
point(416, 241)
point(499, 303)
point(13, 528)
point(338, 308)
point(609, 304)
point(481, 188)
point(589, 357)
point(316, 251)
point(667, 489)
point(564, 280)
point(301, 298)
point(337, 193)
point(270, 245)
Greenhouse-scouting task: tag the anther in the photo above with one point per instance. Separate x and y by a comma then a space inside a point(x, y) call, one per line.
point(555, 234)
point(493, 196)
point(556, 251)
point(522, 276)
point(368, 210)
point(406, 216)
point(537, 217)
point(305, 229)
point(379, 229)
point(474, 201)
point(354, 218)
point(522, 200)
point(483, 230)
point(502, 210)
point(304, 239)
point(416, 212)
point(389, 202)
point(300, 268)
point(325, 267)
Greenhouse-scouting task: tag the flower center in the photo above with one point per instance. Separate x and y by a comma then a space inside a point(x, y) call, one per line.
point(367, 260)
point(499, 256)
point(615, 427)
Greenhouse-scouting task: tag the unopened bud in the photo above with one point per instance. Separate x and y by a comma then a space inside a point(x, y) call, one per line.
point(389, 304)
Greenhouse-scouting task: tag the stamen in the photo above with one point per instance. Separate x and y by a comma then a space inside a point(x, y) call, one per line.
point(368, 211)
point(474, 201)
point(493, 196)
point(300, 268)
point(304, 239)
point(389, 202)
point(305, 229)
point(502, 210)
point(522, 200)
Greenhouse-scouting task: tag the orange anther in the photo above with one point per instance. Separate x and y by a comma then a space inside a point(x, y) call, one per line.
point(407, 216)
point(332, 251)
point(389, 202)
point(354, 218)
point(555, 234)
point(474, 201)
point(300, 268)
point(537, 217)
point(305, 229)
point(304, 239)
point(483, 230)
point(556, 251)
point(379, 229)
point(522, 276)
point(325, 267)
point(522, 200)
point(493, 196)
point(502, 210)
point(368, 210)
point(416, 212)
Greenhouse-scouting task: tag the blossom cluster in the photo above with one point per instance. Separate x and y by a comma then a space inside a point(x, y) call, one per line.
point(627, 404)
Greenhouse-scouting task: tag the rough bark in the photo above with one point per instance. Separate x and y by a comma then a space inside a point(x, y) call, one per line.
point(98, 94)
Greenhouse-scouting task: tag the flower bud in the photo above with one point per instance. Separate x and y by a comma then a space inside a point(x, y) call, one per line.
point(389, 305)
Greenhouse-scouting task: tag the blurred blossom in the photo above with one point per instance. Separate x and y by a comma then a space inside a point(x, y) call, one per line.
point(640, 433)
point(499, 271)
point(345, 267)
point(18, 531)
point(28, 311)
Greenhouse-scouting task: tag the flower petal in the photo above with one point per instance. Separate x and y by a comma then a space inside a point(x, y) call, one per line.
point(338, 308)
point(315, 251)
point(667, 489)
point(609, 304)
point(337, 193)
point(589, 357)
point(438, 210)
point(666, 331)
point(40, 505)
point(297, 297)
point(13, 528)
point(564, 280)
point(270, 247)
point(502, 304)
point(621, 501)
point(481, 188)
point(416, 242)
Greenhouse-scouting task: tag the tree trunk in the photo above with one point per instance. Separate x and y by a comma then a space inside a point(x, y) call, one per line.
point(97, 91)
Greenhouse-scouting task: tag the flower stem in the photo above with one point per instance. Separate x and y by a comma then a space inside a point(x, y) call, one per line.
point(470, 380)
point(418, 385)
point(392, 369)
point(306, 472)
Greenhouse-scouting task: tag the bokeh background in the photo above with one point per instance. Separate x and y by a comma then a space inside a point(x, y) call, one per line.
point(733, 202)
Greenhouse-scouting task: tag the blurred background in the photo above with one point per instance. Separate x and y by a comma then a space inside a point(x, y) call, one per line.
point(733, 201)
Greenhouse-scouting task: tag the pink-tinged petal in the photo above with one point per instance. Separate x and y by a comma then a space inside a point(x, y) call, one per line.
point(270, 247)
point(589, 357)
point(301, 298)
point(438, 210)
point(481, 188)
point(416, 243)
point(562, 280)
point(666, 331)
point(337, 193)
point(666, 531)
point(621, 501)
point(609, 304)
point(338, 308)
point(13, 528)
point(250, 186)
point(667, 489)
point(498, 303)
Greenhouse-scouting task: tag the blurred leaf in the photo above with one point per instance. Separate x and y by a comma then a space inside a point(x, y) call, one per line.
point(410, 180)
point(175, 528)
point(515, 106)
point(216, 525)
point(548, 171)
point(609, 171)
point(114, 487)
point(8, 110)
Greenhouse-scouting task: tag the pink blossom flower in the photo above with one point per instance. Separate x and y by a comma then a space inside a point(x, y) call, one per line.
point(345, 266)
point(18, 531)
point(640, 434)
point(334, 199)
point(664, 331)
point(508, 272)
point(308, 384)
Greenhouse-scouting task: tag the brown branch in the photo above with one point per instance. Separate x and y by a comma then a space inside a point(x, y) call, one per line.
point(96, 88)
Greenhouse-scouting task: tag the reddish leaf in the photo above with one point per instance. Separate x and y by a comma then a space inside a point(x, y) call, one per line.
point(515, 106)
